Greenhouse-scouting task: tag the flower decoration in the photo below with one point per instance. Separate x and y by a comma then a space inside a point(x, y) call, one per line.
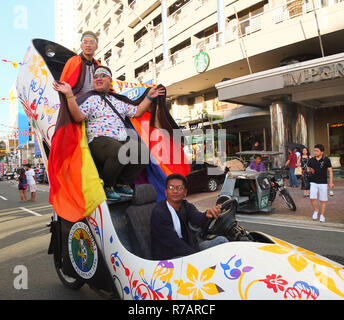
point(275, 282)
point(199, 283)
point(234, 273)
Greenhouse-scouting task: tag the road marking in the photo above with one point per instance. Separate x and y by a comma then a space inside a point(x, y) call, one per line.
point(286, 225)
point(16, 210)
point(30, 211)
point(3, 198)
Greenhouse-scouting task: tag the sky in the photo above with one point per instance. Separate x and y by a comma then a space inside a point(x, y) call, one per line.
point(20, 21)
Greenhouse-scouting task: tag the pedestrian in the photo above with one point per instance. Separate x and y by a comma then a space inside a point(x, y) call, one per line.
point(305, 184)
point(22, 185)
point(292, 163)
point(318, 167)
point(31, 181)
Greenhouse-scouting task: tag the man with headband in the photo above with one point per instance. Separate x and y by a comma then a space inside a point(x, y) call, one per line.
point(78, 70)
point(104, 113)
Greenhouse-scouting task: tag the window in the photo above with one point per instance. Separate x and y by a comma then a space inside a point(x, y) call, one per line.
point(336, 137)
point(107, 57)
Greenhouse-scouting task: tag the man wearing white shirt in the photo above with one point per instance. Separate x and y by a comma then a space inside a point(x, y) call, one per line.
point(31, 181)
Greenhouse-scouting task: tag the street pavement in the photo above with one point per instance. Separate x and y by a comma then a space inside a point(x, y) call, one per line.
point(303, 214)
point(24, 237)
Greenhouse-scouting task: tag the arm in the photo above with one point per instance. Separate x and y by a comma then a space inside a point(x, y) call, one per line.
point(163, 231)
point(146, 104)
point(331, 184)
point(73, 107)
point(199, 218)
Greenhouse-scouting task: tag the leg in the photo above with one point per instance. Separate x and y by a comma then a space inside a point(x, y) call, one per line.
point(314, 199)
point(212, 243)
point(293, 177)
point(21, 195)
point(323, 207)
point(105, 152)
point(323, 200)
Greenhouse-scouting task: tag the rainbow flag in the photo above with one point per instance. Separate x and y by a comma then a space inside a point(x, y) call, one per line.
point(75, 187)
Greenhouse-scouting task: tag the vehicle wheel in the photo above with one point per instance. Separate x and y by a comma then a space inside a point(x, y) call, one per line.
point(212, 185)
point(288, 199)
point(69, 282)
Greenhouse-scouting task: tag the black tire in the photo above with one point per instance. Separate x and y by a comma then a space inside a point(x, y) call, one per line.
point(212, 185)
point(69, 282)
point(288, 199)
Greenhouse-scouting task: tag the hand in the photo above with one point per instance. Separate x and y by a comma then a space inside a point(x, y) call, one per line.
point(155, 91)
point(310, 170)
point(213, 212)
point(64, 88)
point(331, 185)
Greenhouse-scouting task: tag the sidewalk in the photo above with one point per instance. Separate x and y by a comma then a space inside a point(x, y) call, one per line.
point(334, 210)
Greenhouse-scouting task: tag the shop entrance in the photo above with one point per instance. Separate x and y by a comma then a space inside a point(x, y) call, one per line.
point(336, 141)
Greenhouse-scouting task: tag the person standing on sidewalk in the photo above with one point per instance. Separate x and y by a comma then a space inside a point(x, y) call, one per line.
point(305, 185)
point(292, 163)
point(318, 166)
point(31, 181)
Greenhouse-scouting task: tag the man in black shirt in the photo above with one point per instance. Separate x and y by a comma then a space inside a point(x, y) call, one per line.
point(317, 168)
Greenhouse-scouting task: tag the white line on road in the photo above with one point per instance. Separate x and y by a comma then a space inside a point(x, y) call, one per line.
point(30, 211)
point(3, 198)
point(286, 225)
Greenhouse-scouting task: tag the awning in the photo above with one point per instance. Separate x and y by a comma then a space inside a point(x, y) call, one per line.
point(313, 83)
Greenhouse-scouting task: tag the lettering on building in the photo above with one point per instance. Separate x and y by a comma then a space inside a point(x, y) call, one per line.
point(315, 74)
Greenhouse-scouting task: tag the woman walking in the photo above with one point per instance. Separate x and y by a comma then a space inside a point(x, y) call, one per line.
point(22, 185)
point(305, 184)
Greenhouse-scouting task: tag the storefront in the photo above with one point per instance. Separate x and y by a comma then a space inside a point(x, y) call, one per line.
point(305, 102)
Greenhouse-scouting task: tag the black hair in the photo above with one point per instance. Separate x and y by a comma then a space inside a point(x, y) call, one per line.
point(176, 176)
point(257, 156)
point(320, 147)
point(90, 33)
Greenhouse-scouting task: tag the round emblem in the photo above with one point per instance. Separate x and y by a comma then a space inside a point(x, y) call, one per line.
point(202, 62)
point(82, 250)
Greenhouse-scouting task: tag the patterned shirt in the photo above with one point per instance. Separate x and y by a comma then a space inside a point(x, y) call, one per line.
point(101, 119)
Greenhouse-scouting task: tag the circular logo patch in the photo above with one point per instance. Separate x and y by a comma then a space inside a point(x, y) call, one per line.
point(82, 250)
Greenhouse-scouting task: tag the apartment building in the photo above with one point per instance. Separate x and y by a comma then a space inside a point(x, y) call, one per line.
point(66, 17)
point(202, 50)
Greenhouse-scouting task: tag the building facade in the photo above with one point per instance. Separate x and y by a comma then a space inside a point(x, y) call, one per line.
point(66, 17)
point(199, 49)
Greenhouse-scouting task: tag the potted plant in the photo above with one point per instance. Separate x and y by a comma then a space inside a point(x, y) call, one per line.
point(335, 160)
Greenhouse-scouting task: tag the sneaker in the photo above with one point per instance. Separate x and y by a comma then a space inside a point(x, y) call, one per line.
point(112, 195)
point(125, 190)
point(331, 193)
point(322, 218)
point(315, 215)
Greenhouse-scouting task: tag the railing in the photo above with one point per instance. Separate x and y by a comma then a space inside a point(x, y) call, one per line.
point(288, 10)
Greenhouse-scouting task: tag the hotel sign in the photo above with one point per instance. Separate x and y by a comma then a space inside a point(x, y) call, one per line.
point(315, 74)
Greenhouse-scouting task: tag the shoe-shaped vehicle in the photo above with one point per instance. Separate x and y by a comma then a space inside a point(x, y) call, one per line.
point(110, 249)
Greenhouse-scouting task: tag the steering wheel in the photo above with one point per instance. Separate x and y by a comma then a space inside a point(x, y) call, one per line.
point(224, 223)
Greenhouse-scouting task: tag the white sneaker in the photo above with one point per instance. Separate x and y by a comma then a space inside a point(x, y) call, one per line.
point(315, 215)
point(322, 218)
point(331, 193)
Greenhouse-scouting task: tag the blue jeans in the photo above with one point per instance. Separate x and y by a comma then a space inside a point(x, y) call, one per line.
point(212, 243)
point(292, 178)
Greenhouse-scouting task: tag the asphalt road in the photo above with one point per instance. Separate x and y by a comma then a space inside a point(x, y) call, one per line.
point(24, 240)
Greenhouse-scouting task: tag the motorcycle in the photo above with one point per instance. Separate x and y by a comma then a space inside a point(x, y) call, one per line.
point(276, 180)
